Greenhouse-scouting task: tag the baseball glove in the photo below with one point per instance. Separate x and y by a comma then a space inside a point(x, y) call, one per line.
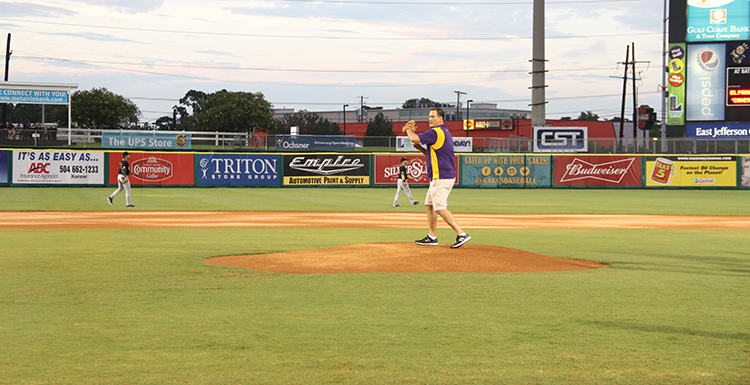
point(410, 125)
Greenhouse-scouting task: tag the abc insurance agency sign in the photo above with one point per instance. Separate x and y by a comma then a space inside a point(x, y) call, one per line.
point(326, 170)
point(58, 167)
point(691, 171)
point(238, 170)
point(579, 170)
point(506, 170)
point(386, 169)
point(155, 168)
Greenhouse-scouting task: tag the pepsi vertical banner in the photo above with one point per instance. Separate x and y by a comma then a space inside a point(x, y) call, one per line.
point(238, 170)
point(718, 20)
point(676, 84)
point(704, 97)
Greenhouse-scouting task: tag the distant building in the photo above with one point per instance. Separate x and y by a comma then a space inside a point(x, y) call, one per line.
point(476, 111)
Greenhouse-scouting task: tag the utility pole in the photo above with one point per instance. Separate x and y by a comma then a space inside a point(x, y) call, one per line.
point(538, 94)
point(624, 89)
point(361, 115)
point(8, 52)
point(458, 104)
point(635, 102)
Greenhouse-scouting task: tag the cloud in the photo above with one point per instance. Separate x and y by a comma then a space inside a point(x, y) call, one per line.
point(98, 37)
point(127, 6)
point(27, 9)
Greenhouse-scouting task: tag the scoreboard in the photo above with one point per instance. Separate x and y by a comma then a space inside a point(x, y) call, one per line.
point(738, 86)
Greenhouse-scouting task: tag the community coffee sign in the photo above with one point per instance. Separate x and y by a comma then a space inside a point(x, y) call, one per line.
point(155, 168)
point(598, 171)
point(326, 169)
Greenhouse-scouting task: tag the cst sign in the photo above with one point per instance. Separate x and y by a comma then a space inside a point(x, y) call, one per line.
point(561, 139)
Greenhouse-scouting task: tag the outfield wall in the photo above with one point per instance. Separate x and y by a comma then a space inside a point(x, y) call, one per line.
point(21, 167)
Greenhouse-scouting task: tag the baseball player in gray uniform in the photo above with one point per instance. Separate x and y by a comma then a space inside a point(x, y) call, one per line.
point(123, 183)
point(403, 184)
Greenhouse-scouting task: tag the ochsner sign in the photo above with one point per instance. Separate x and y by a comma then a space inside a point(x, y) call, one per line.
point(598, 171)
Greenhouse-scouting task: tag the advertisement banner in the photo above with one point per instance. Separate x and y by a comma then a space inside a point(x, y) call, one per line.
point(718, 130)
point(3, 166)
point(12, 95)
point(561, 139)
point(676, 84)
point(717, 20)
point(386, 169)
point(704, 95)
point(155, 169)
point(745, 177)
point(238, 170)
point(691, 171)
point(506, 171)
point(58, 167)
point(326, 170)
point(622, 171)
point(306, 143)
point(146, 140)
point(403, 144)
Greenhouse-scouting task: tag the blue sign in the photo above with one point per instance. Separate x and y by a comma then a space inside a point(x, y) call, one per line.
point(312, 143)
point(706, 76)
point(3, 166)
point(238, 170)
point(718, 20)
point(12, 95)
point(718, 130)
point(148, 140)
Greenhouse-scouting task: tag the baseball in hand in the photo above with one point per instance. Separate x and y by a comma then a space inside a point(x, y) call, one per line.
point(410, 125)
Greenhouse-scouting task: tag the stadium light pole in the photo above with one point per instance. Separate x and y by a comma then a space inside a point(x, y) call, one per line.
point(458, 104)
point(468, 103)
point(345, 105)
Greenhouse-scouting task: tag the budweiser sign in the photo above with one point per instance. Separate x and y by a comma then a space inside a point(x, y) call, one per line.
point(608, 171)
point(152, 169)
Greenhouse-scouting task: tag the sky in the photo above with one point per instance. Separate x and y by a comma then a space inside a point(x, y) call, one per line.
point(321, 55)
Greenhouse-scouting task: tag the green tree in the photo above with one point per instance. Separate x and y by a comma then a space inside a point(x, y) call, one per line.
point(98, 108)
point(588, 116)
point(234, 112)
point(377, 128)
point(309, 123)
point(421, 102)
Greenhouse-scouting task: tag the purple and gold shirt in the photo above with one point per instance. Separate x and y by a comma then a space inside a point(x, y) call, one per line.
point(441, 161)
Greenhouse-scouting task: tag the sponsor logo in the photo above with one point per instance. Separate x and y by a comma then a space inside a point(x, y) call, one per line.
point(38, 168)
point(613, 171)
point(708, 60)
point(676, 53)
point(152, 169)
point(181, 140)
point(676, 80)
point(561, 139)
point(292, 145)
point(739, 54)
point(705, 180)
point(326, 166)
point(415, 168)
point(718, 16)
point(220, 168)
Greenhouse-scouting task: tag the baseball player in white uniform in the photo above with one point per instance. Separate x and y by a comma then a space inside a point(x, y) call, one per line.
point(403, 184)
point(123, 182)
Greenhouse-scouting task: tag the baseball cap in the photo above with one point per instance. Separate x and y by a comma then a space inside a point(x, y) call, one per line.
point(125, 153)
point(403, 159)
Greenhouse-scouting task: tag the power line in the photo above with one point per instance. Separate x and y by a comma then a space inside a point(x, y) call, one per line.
point(401, 38)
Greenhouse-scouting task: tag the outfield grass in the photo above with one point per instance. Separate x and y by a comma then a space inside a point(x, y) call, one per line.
point(138, 306)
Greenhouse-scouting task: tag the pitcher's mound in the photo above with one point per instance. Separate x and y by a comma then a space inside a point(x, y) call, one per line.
point(393, 257)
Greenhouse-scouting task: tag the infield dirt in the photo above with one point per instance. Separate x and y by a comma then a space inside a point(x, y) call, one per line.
point(374, 257)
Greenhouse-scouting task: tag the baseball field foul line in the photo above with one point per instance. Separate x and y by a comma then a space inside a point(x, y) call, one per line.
point(278, 219)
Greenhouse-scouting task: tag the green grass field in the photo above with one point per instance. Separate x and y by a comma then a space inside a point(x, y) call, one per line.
point(138, 306)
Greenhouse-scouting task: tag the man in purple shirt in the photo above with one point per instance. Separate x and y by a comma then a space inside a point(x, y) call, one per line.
point(441, 170)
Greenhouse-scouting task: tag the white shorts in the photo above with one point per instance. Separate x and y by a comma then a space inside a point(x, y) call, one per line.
point(437, 194)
